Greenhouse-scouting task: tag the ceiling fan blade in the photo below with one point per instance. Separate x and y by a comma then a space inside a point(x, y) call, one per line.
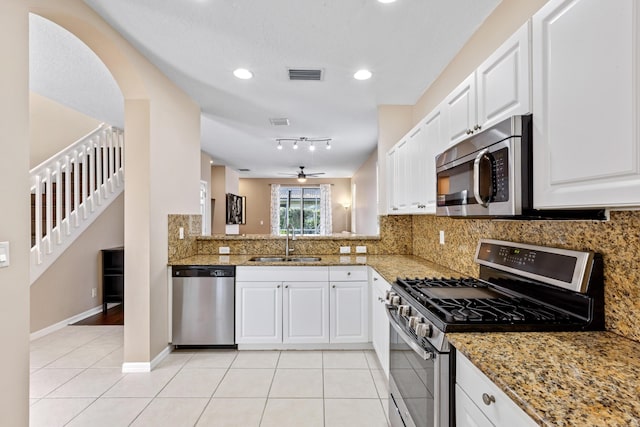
point(315, 174)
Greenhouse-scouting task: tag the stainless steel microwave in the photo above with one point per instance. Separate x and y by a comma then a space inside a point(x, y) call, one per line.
point(487, 174)
point(490, 174)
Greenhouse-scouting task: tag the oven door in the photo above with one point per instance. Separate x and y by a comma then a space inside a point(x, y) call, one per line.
point(483, 183)
point(418, 379)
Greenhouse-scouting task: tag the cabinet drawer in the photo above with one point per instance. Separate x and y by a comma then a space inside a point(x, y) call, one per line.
point(281, 274)
point(347, 273)
point(501, 412)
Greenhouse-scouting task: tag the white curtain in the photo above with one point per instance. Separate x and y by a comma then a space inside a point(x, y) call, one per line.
point(275, 209)
point(326, 221)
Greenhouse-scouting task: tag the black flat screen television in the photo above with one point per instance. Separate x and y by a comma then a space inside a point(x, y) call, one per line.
point(235, 209)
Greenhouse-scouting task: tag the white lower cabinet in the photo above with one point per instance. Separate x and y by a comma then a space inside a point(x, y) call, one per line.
point(379, 320)
point(479, 402)
point(305, 312)
point(348, 312)
point(349, 304)
point(258, 312)
point(297, 305)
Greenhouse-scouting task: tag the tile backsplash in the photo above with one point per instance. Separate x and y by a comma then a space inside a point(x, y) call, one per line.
point(618, 240)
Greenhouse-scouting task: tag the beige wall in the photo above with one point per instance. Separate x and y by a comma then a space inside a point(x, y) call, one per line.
point(366, 207)
point(53, 127)
point(507, 17)
point(218, 193)
point(14, 212)
point(162, 127)
point(258, 193)
point(205, 175)
point(64, 290)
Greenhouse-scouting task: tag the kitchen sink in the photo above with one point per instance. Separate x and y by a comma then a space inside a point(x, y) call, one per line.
point(284, 259)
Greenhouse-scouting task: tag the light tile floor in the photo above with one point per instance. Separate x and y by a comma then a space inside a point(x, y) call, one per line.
point(76, 380)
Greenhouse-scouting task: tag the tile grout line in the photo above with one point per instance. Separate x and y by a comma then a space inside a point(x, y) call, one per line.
point(216, 388)
point(269, 391)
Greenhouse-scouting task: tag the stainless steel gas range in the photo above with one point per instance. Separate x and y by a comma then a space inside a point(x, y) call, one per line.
point(520, 288)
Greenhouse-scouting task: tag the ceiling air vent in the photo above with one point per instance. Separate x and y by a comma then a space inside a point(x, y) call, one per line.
point(244, 170)
point(305, 74)
point(279, 121)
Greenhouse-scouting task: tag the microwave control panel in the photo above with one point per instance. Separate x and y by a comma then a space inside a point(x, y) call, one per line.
point(500, 175)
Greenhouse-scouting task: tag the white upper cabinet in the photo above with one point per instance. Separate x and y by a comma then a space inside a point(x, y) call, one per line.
point(586, 106)
point(461, 110)
point(392, 181)
point(498, 89)
point(434, 143)
point(504, 80)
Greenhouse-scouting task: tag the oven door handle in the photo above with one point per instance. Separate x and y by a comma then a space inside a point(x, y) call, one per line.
point(425, 354)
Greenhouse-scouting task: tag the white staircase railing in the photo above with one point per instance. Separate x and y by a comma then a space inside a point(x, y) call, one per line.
point(70, 190)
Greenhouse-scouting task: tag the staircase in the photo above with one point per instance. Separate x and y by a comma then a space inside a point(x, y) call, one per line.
point(70, 190)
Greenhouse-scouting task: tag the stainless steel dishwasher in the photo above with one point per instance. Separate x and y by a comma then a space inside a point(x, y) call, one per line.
point(203, 305)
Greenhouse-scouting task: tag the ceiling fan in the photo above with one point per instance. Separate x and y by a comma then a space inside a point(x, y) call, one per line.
point(302, 176)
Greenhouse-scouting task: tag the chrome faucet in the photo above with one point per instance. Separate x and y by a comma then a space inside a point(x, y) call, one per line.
point(287, 249)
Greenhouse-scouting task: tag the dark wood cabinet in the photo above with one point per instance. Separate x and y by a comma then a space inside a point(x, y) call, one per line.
point(112, 276)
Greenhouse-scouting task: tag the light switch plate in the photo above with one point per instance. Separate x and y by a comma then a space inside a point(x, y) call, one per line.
point(345, 249)
point(442, 237)
point(361, 249)
point(224, 250)
point(4, 254)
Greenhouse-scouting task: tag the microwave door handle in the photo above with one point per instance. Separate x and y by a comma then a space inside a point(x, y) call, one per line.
point(476, 178)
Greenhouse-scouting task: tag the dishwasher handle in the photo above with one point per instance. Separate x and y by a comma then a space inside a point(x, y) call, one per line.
point(203, 271)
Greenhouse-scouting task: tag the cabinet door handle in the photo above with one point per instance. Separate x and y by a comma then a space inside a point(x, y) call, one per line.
point(286, 286)
point(334, 286)
point(278, 286)
point(375, 279)
point(488, 399)
point(348, 273)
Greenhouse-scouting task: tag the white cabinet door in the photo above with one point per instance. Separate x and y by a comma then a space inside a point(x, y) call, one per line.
point(586, 80)
point(379, 321)
point(392, 181)
point(476, 387)
point(404, 175)
point(461, 110)
point(349, 315)
point(417, 182)
point(258, 312)
point(305, 312)
point(504, 80)
point(467, 413)
point(435, 143)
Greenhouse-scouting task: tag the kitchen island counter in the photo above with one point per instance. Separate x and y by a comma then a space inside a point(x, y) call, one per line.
point(561, 378)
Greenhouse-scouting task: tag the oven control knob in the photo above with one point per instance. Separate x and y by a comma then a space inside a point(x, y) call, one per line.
point(424, 330)
point(404, 310)
point(395, 300)
point(389, 295)
point(414, 321)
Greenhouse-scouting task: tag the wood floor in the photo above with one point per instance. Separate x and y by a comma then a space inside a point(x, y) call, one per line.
point(114, 316)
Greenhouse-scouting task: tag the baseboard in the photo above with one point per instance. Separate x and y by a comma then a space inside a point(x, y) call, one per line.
point(138, 367)
point(73, 319)
point(326, 346)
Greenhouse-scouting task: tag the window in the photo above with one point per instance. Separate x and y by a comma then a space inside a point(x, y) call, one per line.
point(300, 207)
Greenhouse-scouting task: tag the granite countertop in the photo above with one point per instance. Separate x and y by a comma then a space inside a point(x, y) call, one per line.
point(389, 266)
point(558, 378)
point(562, 378)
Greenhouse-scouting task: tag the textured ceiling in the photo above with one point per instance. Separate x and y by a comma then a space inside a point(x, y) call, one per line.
point(198, 43)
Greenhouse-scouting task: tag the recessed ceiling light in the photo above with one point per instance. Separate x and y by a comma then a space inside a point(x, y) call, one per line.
point(362, 75)
point(243, 73)
point(386, 1)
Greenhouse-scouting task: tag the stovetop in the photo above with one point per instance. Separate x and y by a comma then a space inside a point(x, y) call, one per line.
point(471, 301)
point(520, 288)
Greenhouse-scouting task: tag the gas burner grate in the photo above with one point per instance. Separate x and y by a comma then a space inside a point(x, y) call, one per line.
point(502, 309)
